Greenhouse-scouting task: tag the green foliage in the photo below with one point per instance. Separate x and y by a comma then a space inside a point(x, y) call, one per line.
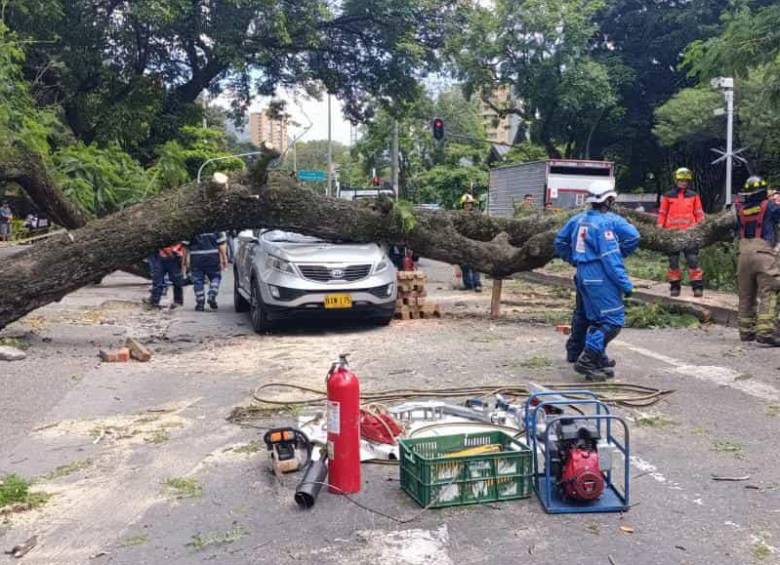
point(647, 265)
point(23, 126)
point(404, 211)
point(130, 72)
point(102, 181)
point(15, 490)
point(688, 117)
point(179, 160)
point(540, 50)
point(656, 316)
point(719, 263)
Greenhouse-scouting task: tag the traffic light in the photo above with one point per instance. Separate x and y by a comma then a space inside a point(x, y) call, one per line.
point(438, 129)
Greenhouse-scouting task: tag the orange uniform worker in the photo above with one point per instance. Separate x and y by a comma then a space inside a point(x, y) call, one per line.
point(681, 209)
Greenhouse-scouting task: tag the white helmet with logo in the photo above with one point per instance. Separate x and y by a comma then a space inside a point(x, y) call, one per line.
point(598, 193)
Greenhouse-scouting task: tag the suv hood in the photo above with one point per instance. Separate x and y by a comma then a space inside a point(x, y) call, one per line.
point(325, 252)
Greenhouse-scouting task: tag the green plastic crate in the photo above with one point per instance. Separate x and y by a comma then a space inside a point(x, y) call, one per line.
point(430, 477)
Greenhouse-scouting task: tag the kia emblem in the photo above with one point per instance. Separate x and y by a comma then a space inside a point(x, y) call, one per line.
point(337, 274)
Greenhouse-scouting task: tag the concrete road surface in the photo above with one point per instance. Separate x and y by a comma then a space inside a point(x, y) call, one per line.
point(144, 467)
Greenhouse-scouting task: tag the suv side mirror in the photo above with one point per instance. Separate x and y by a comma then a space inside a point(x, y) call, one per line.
point(248, 236)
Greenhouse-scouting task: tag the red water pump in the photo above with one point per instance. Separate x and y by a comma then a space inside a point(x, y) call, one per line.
point(576, 462)
point(581, 478)
point(343, 428)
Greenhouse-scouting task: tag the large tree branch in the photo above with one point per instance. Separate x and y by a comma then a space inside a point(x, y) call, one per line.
point(500, 247)
point(30, 173)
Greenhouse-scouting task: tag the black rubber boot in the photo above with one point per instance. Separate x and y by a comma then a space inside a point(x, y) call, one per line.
point(747, 337)
point(698, 288)
point(213, 304)
point(572, 357)
point(674, 288)
point(200, 307)
point(589, 365)
point(771, 339)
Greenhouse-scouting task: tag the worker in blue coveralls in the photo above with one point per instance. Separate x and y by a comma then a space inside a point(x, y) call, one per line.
point(595, 242)
point(206, 257)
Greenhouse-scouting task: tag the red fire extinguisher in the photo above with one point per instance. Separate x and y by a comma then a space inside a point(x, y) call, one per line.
point(343, 428)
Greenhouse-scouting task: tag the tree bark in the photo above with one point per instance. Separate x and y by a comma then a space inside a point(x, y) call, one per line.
point(46, 273)
point(30, 173)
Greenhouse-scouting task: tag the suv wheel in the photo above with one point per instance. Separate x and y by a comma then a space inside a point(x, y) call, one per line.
point(260, 321)
point(240, 303)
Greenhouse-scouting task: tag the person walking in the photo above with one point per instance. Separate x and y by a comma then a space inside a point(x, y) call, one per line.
point(6, 216)
point(206, 258)
point(167, 261)
point(758, 267)
point(681, 209)
point(595, 242)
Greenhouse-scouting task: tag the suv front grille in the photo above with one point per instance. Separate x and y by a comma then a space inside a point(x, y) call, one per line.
point(322, 273)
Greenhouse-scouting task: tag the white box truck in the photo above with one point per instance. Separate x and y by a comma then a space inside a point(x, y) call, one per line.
point(561, 183)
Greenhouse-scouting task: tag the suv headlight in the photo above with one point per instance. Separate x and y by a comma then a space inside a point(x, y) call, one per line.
point(280, 265)
point(381, 266)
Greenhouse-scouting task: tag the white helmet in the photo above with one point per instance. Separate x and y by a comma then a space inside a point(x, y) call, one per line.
point(599, 193)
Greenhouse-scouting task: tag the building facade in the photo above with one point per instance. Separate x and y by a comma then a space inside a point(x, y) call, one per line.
point(269, 130)
point(499, 129)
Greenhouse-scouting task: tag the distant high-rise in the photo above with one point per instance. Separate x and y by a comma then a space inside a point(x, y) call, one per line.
point(498, 128)
point(269, 130)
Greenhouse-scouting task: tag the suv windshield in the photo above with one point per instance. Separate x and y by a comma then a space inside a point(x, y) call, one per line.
point(278, 236)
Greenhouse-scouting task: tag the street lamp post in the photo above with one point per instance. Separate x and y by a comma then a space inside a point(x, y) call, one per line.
point(726, 85)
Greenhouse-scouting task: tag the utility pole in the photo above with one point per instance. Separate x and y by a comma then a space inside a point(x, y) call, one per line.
point(330, 153)
point(295, 156)
point(395, 159)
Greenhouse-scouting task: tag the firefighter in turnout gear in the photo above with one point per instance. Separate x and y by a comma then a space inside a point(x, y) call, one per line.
point(471, 278)
point(595, 242)
point(758, 269)
point(681, 209)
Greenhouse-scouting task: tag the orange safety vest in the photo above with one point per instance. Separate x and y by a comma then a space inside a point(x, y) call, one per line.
point(680, 210)
point(171, 250)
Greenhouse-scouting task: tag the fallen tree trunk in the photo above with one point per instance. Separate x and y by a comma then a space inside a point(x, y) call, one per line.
point(46, 273)
point(30, 173)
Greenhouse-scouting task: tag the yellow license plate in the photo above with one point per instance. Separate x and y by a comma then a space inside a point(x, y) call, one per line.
point(338, 301)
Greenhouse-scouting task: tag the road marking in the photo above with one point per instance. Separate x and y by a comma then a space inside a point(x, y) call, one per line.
point(721, 376)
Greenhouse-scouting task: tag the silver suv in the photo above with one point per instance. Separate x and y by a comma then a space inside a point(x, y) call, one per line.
point(282, 274)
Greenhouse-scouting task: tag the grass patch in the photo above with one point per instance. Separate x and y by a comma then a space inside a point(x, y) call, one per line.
point(761, 550)
point(65, 470)
point(553, 317)
point(653, 316)
point(647, 265)
point(654, 421)
point(724, 446)
point(179, 487)
point(131, 541)
point(251, 447)
point(536, 362)
point(15, 494)
point(158, 436)
point(17, 342)
point(202, 541)
point(719, 263)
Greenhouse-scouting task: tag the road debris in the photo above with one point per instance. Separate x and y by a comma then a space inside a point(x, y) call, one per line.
point(122, 355)
point(8, 353)
point(23, 549)
point(742, 478)
point(138, 351)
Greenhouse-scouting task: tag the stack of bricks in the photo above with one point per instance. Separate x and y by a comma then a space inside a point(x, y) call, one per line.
point(411, 302)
